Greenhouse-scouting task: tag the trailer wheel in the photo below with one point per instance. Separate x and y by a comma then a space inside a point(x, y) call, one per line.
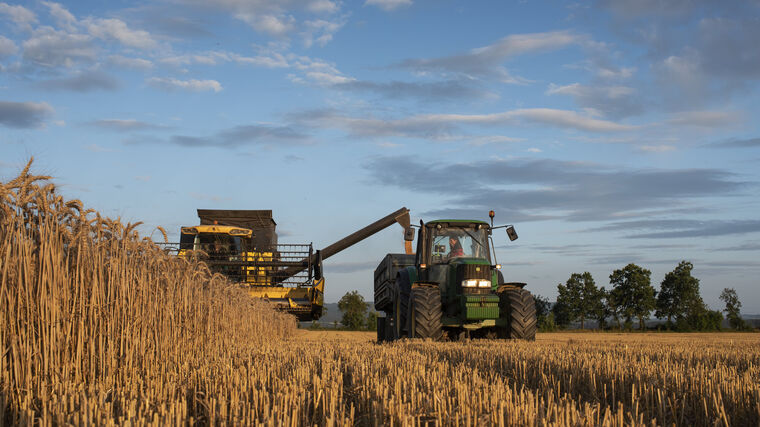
point(518, 307)
point(425, 314)
point(381, 329)
point(401, 307)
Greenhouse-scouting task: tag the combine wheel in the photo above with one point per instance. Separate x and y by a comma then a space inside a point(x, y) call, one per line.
point(425, 314)
point(520, 310)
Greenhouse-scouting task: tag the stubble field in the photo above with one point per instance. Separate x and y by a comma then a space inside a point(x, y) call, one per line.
point(100, 327)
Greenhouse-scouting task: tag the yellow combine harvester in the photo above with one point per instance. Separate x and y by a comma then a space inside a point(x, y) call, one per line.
point(242, 245)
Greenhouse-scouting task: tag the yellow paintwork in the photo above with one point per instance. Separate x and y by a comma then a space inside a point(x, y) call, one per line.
point(258, 281)
point(224, 229)
point(258, 276)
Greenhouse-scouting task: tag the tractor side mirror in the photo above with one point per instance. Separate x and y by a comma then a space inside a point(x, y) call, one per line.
point(409, 234)
point(511, 233)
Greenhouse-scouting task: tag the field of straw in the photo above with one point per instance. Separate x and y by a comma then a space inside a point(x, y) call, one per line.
point(98, 326)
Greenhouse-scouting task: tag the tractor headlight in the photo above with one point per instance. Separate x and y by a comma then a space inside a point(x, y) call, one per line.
point(476, 283)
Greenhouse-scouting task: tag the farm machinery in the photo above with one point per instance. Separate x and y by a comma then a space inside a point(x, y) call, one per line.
point(242, 245)
point(451, 287)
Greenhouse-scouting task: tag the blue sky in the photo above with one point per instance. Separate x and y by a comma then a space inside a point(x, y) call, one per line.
point(608, 132)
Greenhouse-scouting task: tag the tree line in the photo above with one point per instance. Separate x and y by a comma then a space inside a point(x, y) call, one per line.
point(633, 298)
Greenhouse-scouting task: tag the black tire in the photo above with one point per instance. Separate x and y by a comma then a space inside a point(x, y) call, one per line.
point(425, 314)
point(518, 307)
point(380, 329)
point(403, 291)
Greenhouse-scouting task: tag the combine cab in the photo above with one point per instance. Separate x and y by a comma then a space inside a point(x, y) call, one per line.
point(242, 245)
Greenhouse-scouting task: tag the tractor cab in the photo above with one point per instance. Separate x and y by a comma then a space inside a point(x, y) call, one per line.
point(448, 240)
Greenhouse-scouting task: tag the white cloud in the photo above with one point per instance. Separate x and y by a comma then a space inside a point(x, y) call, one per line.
point(323, 6)
point(274, 25)
point(134, 63)
point(52, 48)
point(192, 85)
point(657, 148)
point(445, 126)
point(389, 5)
point(534, 150)
point(615, 73)
point(20, 15)
point(118, 30)
point(486, 61)
point(95, 148)
point(320, 31)
point(63, 17)
point(7, 47)
point(577, 89)
point(271, 60)
point(549, 116)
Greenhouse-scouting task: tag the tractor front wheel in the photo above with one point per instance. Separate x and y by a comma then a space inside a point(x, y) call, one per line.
point(425, 314)
point(518, 307)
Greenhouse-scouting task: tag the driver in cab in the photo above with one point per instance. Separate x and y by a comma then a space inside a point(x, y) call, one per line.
point(455, 248)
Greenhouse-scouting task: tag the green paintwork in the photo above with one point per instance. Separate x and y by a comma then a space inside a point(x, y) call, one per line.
point(479, 307)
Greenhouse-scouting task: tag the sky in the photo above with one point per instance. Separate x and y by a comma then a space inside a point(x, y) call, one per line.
point(608, 132)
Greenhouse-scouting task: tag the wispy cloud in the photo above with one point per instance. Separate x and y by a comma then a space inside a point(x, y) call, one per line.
point(231, 138)
point(20, 15)
point(124, 124)
point(116, 29)
point(738, 143)
point(7, 47)
point(706, 119)
point(444, 126)
point(388, 5)
point(172, 84)
point(543, 189)
point(82, 82)
point(486, 62)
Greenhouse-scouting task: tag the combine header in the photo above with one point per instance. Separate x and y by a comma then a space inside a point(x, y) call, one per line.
point(242, 245)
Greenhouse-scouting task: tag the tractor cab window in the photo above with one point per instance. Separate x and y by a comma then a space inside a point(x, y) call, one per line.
point(457, 242)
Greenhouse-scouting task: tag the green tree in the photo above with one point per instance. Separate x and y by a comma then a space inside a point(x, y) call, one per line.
point(561, 312)
point(354, 310)
point(605, 309)
point(544, 317)
point(633, 293)
point(733, 308)
point(372, 320)
point(583, 298)
point(679, 294)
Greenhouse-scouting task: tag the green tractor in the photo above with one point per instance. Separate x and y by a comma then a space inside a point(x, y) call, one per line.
point(452, 287)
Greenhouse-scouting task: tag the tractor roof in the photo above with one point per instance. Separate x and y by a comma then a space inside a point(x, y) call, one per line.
point(459, 221)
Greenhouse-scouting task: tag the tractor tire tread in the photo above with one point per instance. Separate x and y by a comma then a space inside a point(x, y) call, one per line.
point(522, 314)
point(426, 303)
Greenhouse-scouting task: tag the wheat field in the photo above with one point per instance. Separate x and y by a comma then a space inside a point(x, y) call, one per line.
point(99, 326)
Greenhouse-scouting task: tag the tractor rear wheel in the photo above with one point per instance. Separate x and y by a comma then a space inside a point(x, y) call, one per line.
point(520, 310)
point(425, 314)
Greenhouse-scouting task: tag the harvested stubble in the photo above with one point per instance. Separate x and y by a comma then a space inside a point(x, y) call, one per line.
point(100, 327)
